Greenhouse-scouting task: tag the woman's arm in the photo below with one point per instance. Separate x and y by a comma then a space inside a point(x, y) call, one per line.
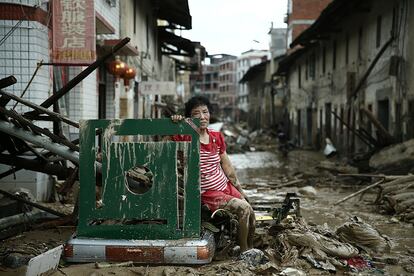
point(231, 173)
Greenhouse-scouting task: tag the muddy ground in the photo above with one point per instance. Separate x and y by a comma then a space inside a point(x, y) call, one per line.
point(261, 173)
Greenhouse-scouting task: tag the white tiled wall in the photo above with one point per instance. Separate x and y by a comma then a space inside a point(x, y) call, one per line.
point(19, 55)
point(110, 92)
point(82, 100)
point(111, 14)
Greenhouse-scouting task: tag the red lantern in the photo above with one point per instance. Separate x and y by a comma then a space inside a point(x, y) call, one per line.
point(117, 67)
point(129, 74)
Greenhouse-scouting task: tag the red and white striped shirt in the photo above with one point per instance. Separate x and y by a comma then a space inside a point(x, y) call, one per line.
point(213, 177)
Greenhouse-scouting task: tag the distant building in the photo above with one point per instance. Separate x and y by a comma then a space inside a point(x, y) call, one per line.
point(217, 81)
point(245, 61)
point(277, 45)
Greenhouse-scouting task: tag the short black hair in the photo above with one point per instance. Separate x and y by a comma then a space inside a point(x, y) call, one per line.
point(194, 102)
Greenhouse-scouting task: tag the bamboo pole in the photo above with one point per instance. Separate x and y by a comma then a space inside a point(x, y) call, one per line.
point(359, 192)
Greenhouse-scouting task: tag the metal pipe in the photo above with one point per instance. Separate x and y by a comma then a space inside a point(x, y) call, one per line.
point(7, 81)
point(41, 141)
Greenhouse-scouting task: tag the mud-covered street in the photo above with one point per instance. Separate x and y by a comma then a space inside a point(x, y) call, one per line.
point(261, 173)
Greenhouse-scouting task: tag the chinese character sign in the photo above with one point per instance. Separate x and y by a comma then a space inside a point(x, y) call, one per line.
point(73, 31)
point(158, 88)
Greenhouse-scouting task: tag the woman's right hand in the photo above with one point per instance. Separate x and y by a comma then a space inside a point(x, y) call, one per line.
point(177, 118)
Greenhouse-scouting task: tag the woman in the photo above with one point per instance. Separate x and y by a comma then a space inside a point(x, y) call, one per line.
point(220, 187)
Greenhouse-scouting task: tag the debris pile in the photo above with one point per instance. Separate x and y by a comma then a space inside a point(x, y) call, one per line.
point(297, 244)
point(239, 139)
point(395, 159)
point(396, 197)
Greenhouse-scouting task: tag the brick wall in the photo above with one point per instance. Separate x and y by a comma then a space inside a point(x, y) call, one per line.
point(307, 9)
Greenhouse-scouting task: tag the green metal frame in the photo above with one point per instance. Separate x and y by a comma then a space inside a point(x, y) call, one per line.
point(160, 203)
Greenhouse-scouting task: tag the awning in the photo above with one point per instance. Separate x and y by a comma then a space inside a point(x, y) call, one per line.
point(175, 12)
point(102, 25)
point(181, 45)
point(253, 71)
point(186, 66)
point(286, 62)
point(127, 50)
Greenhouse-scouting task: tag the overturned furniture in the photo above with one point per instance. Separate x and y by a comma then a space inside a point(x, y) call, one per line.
point(154, 218)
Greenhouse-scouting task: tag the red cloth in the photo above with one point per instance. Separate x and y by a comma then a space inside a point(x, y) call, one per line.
point(215, 199)
point(222, 192)
point(216, 141)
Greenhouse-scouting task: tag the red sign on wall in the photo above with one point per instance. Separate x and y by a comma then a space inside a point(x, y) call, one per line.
point(73, 31)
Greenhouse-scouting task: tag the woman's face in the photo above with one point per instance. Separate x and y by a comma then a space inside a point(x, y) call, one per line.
point(201, 112)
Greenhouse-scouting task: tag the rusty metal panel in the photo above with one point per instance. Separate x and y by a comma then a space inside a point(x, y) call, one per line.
point(137, 254)
point(157, 209)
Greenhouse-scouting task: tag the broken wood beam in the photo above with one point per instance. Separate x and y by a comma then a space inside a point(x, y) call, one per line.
point(386, 177)
point(359, 192)
point(7, 81)
point(371, 67)
point(36, 205)
point(69, 181)
point(388, 138)
point(82, 75)
point(352, 130)
point(41, 109)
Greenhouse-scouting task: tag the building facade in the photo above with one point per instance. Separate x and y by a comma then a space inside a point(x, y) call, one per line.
point(354, 65)
point(244, 62)
point(27, 52)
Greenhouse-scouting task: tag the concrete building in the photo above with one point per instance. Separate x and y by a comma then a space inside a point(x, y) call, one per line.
point(277, 44)
point(217, 81)
point(356, 57)
point(260, 100)
point(227, 86)
point(27, 38)
point(244, 62)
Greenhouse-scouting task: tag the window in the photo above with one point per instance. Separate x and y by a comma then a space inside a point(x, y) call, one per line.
point(334, 55)
point(379, 22)
point(135, 17)
point(347, 49)
point(312, 66)
point(323, 59)
point(307, 69)
point(360, 43)
point(147, 31)
point(394, 22)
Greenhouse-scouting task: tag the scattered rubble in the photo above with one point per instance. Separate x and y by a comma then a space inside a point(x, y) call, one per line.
point(396, 197)
point(395, 159)
point(239, 140)
point(364, 236)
